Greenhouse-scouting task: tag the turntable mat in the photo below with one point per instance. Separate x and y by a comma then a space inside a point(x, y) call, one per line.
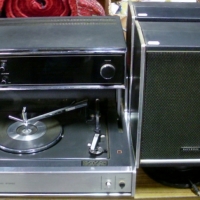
point(52, 134)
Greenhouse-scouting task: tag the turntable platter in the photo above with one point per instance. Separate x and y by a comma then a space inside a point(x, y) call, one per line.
point(18, 138)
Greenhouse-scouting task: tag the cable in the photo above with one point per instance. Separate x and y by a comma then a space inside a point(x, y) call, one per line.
point(194, 188)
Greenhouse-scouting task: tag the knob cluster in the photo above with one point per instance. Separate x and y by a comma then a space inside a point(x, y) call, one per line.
point(4, 76)
point(109, 184)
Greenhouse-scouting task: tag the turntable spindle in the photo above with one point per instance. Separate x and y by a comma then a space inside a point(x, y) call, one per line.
point(24, 116)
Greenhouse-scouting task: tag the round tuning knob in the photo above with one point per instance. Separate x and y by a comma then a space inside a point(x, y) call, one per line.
point(107, 71)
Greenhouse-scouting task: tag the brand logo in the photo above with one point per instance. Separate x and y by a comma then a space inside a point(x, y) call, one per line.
point(190, 149)
point(94, 163)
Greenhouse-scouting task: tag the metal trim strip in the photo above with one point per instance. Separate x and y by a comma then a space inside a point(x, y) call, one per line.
point(59, 52)
point(141, 91)
point(167, 161)
point(65, 194)
point(9, 88)
point(131, 53)
point(126, 124)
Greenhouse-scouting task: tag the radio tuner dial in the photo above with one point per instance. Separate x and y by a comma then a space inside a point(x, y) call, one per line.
point(107, 71)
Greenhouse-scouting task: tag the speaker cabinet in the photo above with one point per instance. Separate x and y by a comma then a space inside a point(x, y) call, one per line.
point(154, 11)
point(166, 91)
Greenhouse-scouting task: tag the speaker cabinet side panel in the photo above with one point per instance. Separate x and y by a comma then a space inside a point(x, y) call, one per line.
point(171, 107)
point(137, 88)
point(130, 34)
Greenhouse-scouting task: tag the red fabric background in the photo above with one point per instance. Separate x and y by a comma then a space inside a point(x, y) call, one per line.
point(1, 4)
point(35, 8)
point(41, 8)
point(85, 8)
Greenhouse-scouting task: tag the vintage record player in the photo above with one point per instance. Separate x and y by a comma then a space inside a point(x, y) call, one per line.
point(64, 128)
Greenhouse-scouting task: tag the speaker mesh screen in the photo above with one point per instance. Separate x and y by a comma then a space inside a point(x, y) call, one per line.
point(171, 109)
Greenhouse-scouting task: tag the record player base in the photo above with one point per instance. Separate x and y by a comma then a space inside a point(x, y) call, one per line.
point(146, 189)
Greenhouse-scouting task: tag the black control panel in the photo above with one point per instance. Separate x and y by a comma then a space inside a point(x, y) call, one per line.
point(62, 69)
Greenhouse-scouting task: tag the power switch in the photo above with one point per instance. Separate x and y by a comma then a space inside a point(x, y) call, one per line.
point(108, 183)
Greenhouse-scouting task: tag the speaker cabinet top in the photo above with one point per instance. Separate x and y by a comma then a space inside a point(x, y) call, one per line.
point(80, 34)
point(170, 35)
point(165, 11)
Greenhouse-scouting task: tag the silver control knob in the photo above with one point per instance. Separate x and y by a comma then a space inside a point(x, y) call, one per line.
point(107, 71)
point(3, 66)
point(4, 80)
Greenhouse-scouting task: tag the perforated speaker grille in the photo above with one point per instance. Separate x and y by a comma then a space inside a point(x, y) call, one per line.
point(171, 109)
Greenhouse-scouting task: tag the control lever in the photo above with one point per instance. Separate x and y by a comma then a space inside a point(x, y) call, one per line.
point(49, 114)
point(97, 117)
point(94, 148)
